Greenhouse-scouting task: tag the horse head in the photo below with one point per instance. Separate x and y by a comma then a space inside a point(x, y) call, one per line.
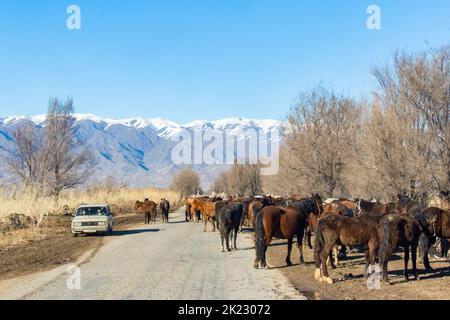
point(137, 205)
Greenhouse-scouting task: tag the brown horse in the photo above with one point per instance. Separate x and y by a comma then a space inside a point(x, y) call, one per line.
point(377, 208)
point(148, 208)
point(253, 207)
point(346, 231)
point(188, 204)
point(282, 223)
point(337, 208)
point(256, 206)
point(207, 209)
point(435, 222)
point(394, 231)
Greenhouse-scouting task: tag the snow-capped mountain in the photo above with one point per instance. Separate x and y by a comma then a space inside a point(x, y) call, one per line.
point(137, 151)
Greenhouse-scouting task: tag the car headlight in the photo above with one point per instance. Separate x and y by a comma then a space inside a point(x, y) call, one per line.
point(77, 224)
point(102, 223)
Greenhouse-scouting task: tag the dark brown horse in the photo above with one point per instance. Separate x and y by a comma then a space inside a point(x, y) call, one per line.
point(312, 209)
point(395, 231)
point(337, 208)
point(407, 205)
point(228, 218)
point(245, 204)
point(347, 231)
point(435, 222)
point(164, 206)
point(148, 208)
point(282, 223)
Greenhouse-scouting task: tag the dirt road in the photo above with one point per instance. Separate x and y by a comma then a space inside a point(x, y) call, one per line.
point(164, 261)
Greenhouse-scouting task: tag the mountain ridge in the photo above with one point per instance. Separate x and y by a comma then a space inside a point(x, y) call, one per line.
point(135, 150)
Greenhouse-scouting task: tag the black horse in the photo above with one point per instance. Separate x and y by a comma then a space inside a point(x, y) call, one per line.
point(228, 219)
point(164, 206)
point(435, 222)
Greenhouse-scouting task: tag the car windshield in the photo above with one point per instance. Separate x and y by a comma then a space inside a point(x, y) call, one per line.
point(91, 211)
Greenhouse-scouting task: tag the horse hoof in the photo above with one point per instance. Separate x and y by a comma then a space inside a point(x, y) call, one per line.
point(328, 280)
point(387, 282)
point(289, 263)
point(318, 275)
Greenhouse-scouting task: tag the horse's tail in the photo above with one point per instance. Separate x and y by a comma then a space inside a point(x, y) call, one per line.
point(259, 237)
point(319, 242)
point(385, 247)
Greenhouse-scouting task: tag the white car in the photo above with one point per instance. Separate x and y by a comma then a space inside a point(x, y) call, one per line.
point(93, 219)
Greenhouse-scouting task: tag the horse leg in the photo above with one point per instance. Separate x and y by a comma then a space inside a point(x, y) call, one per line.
point(318, 264)
point(288, 258)
point(406, 258)
point(414, 260)
point(343, 253)
point(336, 257)
point(213, 222)
point(385, 271)
point(325, 254)
point(425, 244)
point(332, 258)
point(231, 239)
point(300, 248)
point(268, 241)
point(367, 258)
point(223, 239)
point(309, 235)
point(236, 231)
point(228, 240)
point(206, 224)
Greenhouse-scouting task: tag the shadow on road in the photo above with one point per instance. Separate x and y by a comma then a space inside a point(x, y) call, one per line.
point(133, 232)
point(177, 222)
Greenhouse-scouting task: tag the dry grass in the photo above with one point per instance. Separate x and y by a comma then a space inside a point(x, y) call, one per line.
point(120, 199)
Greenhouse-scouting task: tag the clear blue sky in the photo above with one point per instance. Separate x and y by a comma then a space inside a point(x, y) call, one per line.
point(200, 59)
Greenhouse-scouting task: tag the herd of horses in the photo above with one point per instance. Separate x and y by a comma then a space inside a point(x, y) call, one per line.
point(149, 209)
point(338, 225)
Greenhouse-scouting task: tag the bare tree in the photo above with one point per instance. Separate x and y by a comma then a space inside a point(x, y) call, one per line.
point(322, 141)
point(186, 182)
point(415, 101)
point(240, 180)
point(69, 163)
point(28, 160)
